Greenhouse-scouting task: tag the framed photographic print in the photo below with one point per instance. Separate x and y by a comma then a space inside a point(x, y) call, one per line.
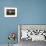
point(31, 32)
point(10, 12)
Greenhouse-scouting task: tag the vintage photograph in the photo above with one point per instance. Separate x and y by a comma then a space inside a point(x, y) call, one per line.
point(30, 34)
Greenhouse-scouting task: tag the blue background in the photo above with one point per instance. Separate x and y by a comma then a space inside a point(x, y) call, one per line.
point(28, 12)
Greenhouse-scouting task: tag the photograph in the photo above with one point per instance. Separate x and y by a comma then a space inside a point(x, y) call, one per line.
point(10, 12)
point(29, 34)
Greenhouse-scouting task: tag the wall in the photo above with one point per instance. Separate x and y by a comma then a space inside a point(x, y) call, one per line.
point(29, 12)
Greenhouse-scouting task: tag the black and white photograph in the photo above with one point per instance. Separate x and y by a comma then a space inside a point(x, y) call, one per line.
point(30, 34)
